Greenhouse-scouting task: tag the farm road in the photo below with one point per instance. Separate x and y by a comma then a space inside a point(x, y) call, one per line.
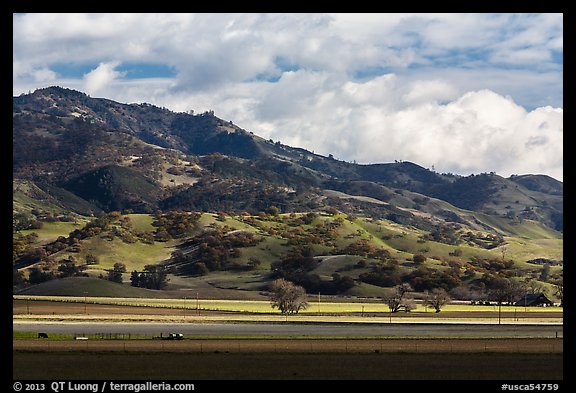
point(297, 330)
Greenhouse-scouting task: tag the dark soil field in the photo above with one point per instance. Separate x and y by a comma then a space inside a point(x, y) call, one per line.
point(534, 359)
point(288, 366)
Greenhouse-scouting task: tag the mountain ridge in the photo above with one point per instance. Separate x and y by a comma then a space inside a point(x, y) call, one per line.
point(73, 133)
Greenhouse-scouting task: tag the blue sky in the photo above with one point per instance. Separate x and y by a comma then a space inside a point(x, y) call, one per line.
point(132, 70)
point(465, 93)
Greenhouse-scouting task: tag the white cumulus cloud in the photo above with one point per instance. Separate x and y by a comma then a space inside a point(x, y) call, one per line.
point(101, 77)
point(467, 93)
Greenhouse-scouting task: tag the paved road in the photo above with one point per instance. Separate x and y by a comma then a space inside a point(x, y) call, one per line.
point(291, 329)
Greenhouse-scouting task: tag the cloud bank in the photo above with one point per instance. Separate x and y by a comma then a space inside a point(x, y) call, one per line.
point(463, 93)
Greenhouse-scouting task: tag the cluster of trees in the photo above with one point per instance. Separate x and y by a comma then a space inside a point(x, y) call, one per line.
point(386, 274)
point(487, 241)
point(38, 275)
point(68, 267)
point(444, 233)
point(492, 287)
point(213, 250)
point(152, 277)
point(493, 265)
point(23, 252)
point(425, 279)
point(365, 248)
point(115, 275)
point(322, 233)
point(22, 221)
point(296, 267)
point(94, 227)
point(504, 290)
point(174, 224)
point(449, 234)
point(398, 298)
point(299, 230)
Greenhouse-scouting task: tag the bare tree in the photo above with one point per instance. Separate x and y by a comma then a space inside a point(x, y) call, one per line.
point(288, 297)
point(437, 298)
point(559, 293)
point(533, 286)
point(396, 300)
point(504, 290)
point(474, 295)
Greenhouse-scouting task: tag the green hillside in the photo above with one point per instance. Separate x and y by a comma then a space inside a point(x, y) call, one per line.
point(340, 245)
point(78, 286)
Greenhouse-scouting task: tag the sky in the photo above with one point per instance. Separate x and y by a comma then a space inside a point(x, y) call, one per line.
point(456, 93)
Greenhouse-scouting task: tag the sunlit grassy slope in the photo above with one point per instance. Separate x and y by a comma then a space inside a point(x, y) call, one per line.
point(523, 241)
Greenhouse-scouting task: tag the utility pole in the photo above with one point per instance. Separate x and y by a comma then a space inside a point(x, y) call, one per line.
point(85, 303)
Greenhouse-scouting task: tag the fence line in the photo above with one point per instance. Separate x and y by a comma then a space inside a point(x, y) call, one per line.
point(103, 342)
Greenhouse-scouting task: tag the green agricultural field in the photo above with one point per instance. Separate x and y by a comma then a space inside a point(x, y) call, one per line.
point(324, 305)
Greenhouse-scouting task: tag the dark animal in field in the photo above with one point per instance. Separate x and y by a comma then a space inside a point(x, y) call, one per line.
point(42, 335)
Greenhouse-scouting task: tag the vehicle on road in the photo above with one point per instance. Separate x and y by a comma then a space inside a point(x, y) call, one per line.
point(174, 336)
